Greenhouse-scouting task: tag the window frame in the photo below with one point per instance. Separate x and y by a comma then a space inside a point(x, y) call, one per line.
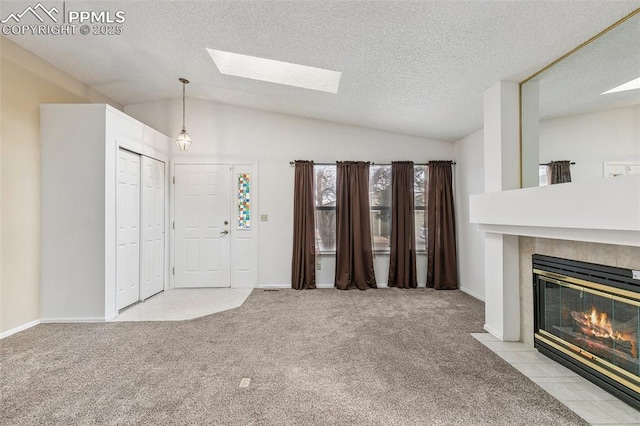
point(372, 209)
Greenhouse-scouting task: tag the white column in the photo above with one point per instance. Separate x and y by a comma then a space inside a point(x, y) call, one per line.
point(502, 172)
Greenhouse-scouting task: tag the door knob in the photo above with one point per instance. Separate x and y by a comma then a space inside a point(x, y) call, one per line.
point(225, 232)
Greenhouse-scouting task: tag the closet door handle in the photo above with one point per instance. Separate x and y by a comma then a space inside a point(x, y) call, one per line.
point(225, 232)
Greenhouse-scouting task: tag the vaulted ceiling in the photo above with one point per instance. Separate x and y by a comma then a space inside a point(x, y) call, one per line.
point(414, 67)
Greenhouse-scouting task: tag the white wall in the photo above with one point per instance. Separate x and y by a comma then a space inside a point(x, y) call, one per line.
point(236, 134)
point(469, 180)
point(591, 139)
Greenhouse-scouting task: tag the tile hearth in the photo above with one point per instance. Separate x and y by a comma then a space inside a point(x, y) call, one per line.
point(587, 400)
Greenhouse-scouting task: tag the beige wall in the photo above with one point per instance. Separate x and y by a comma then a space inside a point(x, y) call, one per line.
point(26, 81)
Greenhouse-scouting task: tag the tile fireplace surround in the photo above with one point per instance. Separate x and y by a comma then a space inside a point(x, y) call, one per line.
point(603, 254)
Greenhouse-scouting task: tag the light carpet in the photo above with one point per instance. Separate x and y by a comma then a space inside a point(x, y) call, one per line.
point(379, 357)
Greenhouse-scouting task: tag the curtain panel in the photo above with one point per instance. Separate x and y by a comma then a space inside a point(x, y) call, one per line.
point(354, 254)
point(303, 271)
point(442, 268)
point(559, 172)
point(402, 259)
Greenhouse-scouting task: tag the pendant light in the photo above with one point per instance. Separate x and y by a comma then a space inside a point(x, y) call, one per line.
point(183, 141)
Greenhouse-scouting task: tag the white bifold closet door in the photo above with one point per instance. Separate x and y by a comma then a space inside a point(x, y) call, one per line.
point(128, 228)
point(153, 222)
point(140, 205)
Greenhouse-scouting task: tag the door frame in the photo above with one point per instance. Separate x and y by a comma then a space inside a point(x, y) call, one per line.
point(239, 279)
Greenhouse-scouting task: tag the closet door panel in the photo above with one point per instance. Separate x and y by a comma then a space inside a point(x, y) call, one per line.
point(153, 221)
point(128, 229)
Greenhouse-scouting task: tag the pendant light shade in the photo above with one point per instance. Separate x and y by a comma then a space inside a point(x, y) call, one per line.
point(183, 141)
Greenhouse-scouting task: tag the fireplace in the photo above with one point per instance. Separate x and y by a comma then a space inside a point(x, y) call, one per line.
point(587, 317)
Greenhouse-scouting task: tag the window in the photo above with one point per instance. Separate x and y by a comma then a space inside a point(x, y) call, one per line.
point(543, 177)
point(380, 205)
point(325, 196)
point(420, 182)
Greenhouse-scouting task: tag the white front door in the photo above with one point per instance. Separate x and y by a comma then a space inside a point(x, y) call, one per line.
point(128, 229)
point(202, 226)
point(152, 253)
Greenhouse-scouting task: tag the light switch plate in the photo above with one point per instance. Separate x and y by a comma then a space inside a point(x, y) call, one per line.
point(264, 218)
point(636, 275)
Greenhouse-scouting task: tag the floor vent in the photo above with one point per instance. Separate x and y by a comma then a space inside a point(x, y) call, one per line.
point(244, 383)
point(271, 289)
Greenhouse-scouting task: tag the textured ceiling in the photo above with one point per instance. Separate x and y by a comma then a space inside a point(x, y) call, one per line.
point(412, 67)
point(575, 85)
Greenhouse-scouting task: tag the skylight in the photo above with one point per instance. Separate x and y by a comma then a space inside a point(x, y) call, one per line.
point(629, 85)
point(276, 71)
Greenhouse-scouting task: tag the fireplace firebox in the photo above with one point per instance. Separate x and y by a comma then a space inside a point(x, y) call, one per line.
point(587, 317)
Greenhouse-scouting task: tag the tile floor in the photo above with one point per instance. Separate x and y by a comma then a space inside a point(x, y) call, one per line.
point(587, 400)
point(184, 304)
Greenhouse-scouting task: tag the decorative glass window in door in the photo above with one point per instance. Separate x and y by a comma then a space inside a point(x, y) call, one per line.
point(244, 200)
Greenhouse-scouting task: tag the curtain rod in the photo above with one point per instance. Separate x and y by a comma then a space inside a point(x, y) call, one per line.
point(373, 164)
point(573, 163)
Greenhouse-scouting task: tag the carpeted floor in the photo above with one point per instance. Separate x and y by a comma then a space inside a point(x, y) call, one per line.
point(379, 357)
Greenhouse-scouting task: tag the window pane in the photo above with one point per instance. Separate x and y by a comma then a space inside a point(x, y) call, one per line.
point(325, 198)
point(421, 230)
point(543, 178)
point(419, 182)
point(380, 186)
point(381, 228)
point(326, 229)
point(325, 185)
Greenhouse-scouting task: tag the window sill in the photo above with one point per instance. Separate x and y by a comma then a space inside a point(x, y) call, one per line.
point(333, 253)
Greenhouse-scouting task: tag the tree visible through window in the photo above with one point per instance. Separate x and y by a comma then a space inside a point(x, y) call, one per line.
point(325, 207)
point(380, 205)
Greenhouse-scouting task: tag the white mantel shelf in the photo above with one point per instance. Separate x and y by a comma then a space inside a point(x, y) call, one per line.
point(601, 211)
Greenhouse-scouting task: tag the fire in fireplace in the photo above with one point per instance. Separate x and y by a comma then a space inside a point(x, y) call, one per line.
point(587, 317)
point(601, 335)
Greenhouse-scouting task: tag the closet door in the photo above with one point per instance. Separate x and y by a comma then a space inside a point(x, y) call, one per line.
point(153, 220)
point(128, 229)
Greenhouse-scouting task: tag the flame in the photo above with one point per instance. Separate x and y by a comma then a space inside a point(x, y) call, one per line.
point(598, 324)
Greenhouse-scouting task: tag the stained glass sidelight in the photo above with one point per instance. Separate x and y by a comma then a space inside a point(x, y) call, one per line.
point(244, 201)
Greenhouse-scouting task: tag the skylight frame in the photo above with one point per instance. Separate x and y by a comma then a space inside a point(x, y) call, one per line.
point(279, 72)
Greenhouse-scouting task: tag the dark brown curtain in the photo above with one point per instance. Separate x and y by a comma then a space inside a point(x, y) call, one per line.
point(559, 172)
point(442, 268)
point(402, 261)
point(303, 271)
point(354, 255)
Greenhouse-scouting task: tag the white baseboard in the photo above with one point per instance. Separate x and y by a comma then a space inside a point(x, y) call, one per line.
point(268, 286)
point(493, 332)
point(325, 285)
point(71, 320)
point(19, 329)
point(241, 286)
point(471, 293)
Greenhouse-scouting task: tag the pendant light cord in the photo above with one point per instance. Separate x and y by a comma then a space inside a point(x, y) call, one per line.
point(183, 127)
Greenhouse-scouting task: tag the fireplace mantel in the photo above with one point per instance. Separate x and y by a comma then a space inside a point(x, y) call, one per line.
point(600, 211)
